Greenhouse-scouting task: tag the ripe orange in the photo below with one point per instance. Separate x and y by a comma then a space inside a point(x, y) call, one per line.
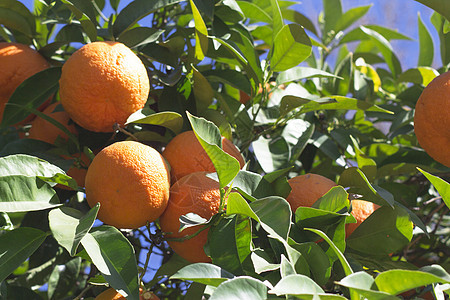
point(131, 181)
point(45, 131)
point(186, 155)
point(18, 62)
point(432, 119)
point(194, 193)
point(361, 210)
point(112, 294)
point(102, 84)
point(307, 189)
point(78, 170)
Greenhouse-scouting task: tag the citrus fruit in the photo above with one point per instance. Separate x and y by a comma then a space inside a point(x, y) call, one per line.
point(131, 181)
point(45, 131)
point(193, 193)
point(18, 62)
point(112, 294)
point(307, 189)
point(77, 170)
point(186, 155)
point(102, 84)
point(432, 119)
point(361, 210)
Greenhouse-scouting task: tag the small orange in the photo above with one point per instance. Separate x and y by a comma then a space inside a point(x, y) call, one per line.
point(307, 189)
point(131, 181)
point(194, 193)
point(112, 294)
point(45, 131)
point(78, 170)
point(18, 62)
point(186, 155)
point(102, 84)
point(361, 210)
point(432, 119)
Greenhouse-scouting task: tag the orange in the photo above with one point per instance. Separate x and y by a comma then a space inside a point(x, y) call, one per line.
point(194, 193)
point(112, 294)
point(432, 119)
point(45, 131)
point(102, 84)
point(78, 170)
point(131, 181)
point(307, 189)
point(244, 97)
point(186, 155)
point(18, 62)
point(361, 210)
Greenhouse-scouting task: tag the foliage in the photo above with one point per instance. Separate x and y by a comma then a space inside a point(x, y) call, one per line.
point(330, 99)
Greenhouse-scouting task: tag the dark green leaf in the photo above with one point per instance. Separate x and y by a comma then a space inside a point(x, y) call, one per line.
point(439, 6)
point(419, 75)
point(426, 48)
point(85, 13)
point(30, 94)
point(16, 246)
point(271, 154)
point(351, 16)
point(139, 36)
point(63, 278)
point(114, 257)
point(69, 226)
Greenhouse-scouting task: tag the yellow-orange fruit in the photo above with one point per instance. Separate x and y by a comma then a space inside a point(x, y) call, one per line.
point(17, 63)
point(102, 84)
point(45, 131)
point(307, 189)
point(432, 119)
point(112, 294)
point(186, 155)
point(194, 193)
point(131, 181)
point(361, 210)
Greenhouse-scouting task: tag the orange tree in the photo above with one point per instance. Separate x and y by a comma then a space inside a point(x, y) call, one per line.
point(340, 106)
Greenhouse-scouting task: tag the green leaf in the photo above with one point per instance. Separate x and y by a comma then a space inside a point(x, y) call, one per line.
point(240, 288)
point(419, 75)
point(203, 91)
point(229, 243)
point(297, 285)
point(363, 283)
point(296, 17)
point(272, 154)
point(232, 77)
point(201, 33)
point(168, 119)
point(351, 16)
point(27, 165)
point(298, 73)
point(22, 193)
point(441, 186)
point(63, 278)
point(16, 246)
point(395, 282)
point(69, 226)
point(209, 137)
point(85, 13)
point(277, 18)
point(318, 261)
point(439, 23)
point(236, 204)
point(140, 36)
point(16, 16)
point(30, 94)
point(439, 6)
point(135, 11)
point(254, 12)
point(332, 10)
point(334, 200)
point(367, 165)
point(204, 273)
point(291, 46)
point(114, 257)
point(297, 133)
point(385, 49)
point(357, 34)
point(426, 48)
point(385, 231)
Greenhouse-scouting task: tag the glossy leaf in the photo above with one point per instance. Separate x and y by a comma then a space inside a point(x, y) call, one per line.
point(114, 257)
point(395, 282)
point(271, 154)
point(27, 165)
point(419, 75)
point(69, 226)
point(291, 46)
point(63, 278)
point(85, 13)
point(168, 119)
point(209, 137)
point(201, 33)
point(254, 12)
point(351, 16)
point(204, 273)
point(298, 73)
point(240, 288)
point(439, 6)
point(16, 246)
point(363, 283)
point(441, 186)
point(30, 94)
point(139, 36)
point(385, 231)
